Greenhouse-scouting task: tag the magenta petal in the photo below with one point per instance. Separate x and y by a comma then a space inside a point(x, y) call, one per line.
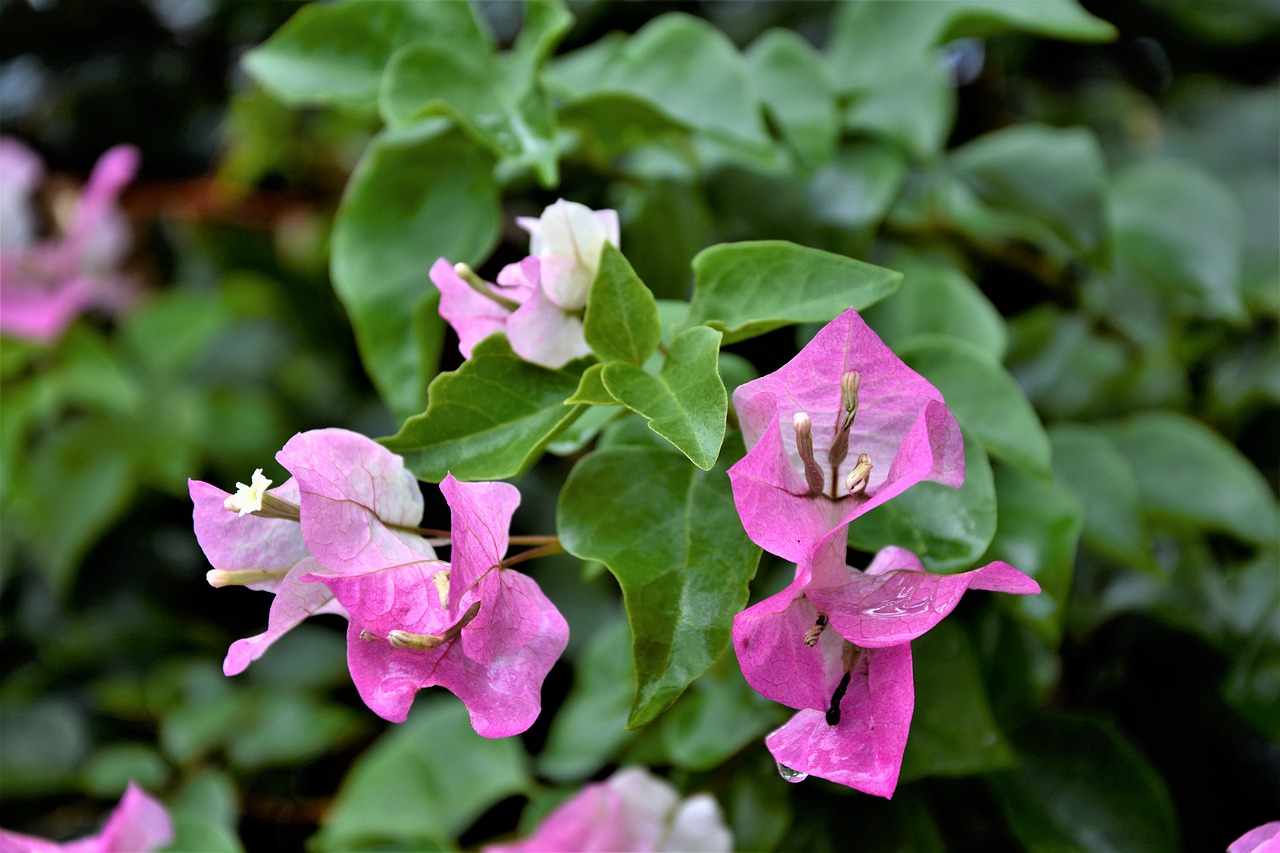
point(388, 678)
point(34, 310)
point(588, 821)
point(894, 601)
point(864, 750)
point(351, 489)
point(400, 598)
point(541, 333)
point(295, 600)
point(481, 516)
point(232, 542)
point(473, 316)
point(768, 638)
point(138, 824)
point(100, 232)
point(1261, 839)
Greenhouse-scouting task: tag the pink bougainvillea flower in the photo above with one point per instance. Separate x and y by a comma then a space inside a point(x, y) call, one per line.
point(44, 284)
point(484, 632)
point(632, 810)
point(835, 645)
point(1261, 839)
point(350, 501)
point(838, 430)
point(139, 824)
point(538, 302)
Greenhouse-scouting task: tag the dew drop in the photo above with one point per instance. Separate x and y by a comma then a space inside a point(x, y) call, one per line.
point(791, 775)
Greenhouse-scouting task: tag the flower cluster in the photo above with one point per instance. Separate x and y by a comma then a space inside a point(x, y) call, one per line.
point(632, 810)
point(840, 429)
point(341, 536)
point(538, 302)
point(138, 824)
point(46, 283)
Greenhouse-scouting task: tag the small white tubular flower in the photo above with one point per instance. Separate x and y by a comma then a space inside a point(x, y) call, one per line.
point(248, 498)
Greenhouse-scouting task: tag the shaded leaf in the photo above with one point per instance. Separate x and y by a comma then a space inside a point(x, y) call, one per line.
point(672, 539)
point(1089, 465)
point(621, 322)
point(793, 83)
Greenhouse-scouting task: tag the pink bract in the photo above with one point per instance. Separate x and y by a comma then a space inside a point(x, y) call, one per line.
point(45, 284)
point(632, 810)
point(1260, 839)
point(139, 824)
point(872, 615)
point(497, 635)
point(902, 423)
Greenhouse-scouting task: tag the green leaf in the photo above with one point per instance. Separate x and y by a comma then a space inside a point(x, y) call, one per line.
point(401, 212)
point(288, 728)
point(953, 731)
point(1180, 232)
point(796, 89)
point(686, 402)
point(1188, 473)
point(503, 112)
point(622, 322)
point(984, 397)
point(1084, 787)
point(716, 717)
point(667, 223)
point(335, 53)
point(112, 767)
point(1052, 175)
point(670, 535)
point(747, 289)
point(1038, 531)
point(592, 724)
point(916, 111)
point(947, 528)
point(44, 744)
point(424, 782)
point(681, 65)
point(1089, 465)
point(939, 299)
point(546, 22)
point(591, 388)
point(489, 419)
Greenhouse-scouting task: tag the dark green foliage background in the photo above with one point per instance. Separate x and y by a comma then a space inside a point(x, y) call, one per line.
point(1087, 230)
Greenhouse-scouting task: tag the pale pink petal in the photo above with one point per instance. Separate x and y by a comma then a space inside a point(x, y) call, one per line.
point(588, 821)
point(1261, 839)
point(568, 239)
point(542, 333)
point(295, 600)
point(768, 638)
point(698, 824)
point(233, 542)
point(21, 171)
point(34, 310)
point(473, 316)
point(895, 601)
point(352, 489)
point(864, 749)
point(16, 842)
point(518, 281)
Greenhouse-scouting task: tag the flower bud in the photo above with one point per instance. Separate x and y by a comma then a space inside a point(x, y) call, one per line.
point(857, 480)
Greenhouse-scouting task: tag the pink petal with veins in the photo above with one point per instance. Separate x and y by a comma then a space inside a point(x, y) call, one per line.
point(233, 542)
point(351, 490)
point(542, 333)
point(473, 316)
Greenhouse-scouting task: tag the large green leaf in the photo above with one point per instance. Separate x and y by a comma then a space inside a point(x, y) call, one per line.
point(686, 402)
point(1084, 787)
point(489, 419)
point(953, 732)
point(494, 98)
point(1188, 473)
point(796, 89)
point(984, 396)
point(940, 299)
point(335, 53)
point(1053, 175)
point(400, 213)
point(1038, 531)
point(682, 66)
point(423, 782)
point(747, 289)
point(1089, 465)
point(622, 322)
point(670, 535)
point(1180, 232)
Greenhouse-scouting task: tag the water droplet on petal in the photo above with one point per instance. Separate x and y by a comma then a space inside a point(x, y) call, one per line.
point(791, 775)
